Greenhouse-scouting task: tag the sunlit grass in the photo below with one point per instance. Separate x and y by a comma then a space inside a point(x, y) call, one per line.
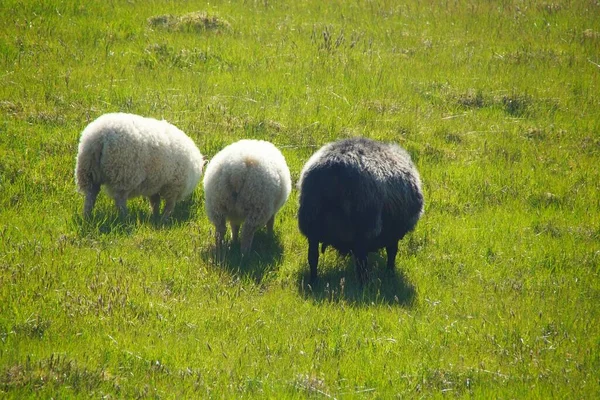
point(494, 295)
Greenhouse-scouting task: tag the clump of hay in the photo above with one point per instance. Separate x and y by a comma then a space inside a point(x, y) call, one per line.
point(10, 107)
point(471, 99)
point(198, 21)
point(590, 34)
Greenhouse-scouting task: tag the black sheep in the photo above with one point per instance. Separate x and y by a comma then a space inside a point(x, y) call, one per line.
point(358, 195)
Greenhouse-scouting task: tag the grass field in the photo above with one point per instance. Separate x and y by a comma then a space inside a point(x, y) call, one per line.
point(496, 293)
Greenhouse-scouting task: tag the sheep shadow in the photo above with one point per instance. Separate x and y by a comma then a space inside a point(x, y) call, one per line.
point(384, 286)
point(267, 252)
point(185, 210)
point(106, 220)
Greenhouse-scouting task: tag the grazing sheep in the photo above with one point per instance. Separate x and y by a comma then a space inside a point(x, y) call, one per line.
point(136, 156)
point(358, 195)
point(246, 182)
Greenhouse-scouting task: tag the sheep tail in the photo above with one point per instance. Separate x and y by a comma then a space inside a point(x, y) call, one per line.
point(88, 173)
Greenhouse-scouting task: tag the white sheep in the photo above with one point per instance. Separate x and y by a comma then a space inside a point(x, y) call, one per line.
point(136, 156)
point(246, 182)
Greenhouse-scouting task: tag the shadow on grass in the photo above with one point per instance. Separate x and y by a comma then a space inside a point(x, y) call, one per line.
point(106, 221)
point(384, 286)
point(267, 251)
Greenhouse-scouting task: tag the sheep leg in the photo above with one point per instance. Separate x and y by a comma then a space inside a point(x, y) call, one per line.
point(155, 204)
point(313, 259)
point(220, 230)
point(235, 230)
point(360, 260)
point(90, 199)
point(391, 250)
point(247, 237)
point(121, 204)
point(169, 207)
point(270, 224)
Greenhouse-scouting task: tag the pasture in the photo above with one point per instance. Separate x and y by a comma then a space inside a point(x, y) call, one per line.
point(495, 294)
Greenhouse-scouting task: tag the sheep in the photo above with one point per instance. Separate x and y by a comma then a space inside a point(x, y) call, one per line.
point(246, 182)
point(136, 156)
point(358, 195)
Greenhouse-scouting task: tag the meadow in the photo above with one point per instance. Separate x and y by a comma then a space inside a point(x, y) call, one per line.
point(495, 295)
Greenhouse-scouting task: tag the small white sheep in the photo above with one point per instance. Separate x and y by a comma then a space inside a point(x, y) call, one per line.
point(136, 156)
point(246, 182)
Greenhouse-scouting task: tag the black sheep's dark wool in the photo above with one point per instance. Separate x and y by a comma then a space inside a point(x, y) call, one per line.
point(358, 195)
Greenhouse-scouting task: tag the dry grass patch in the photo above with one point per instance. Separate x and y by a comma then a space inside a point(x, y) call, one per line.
point(198, 21)
point(590, 34)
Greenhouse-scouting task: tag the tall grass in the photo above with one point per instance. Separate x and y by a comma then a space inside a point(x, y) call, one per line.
point(495, 293)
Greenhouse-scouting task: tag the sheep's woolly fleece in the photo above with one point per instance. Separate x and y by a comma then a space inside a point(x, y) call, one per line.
point(358, 195)
point(248, 181)
point(137, 156)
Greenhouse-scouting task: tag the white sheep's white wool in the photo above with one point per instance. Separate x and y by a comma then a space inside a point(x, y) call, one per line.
point(134, 156)
point(246, 182)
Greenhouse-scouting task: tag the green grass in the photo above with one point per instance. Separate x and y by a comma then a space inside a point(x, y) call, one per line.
point(495, 293)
